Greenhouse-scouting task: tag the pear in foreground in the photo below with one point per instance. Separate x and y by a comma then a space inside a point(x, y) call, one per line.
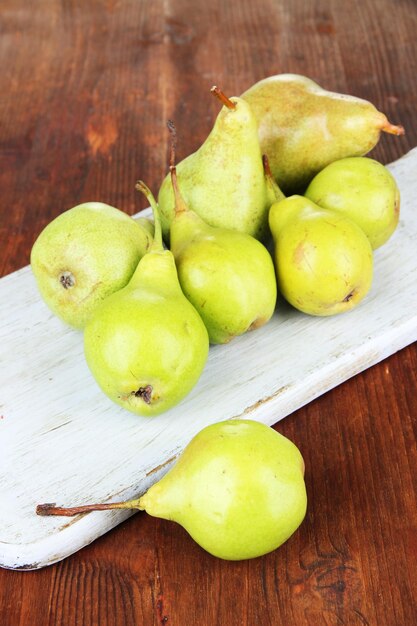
point(303, 128)
point(84, 255)
point(363, 190)
point(224, 181)
point(323, 260)
point(238, 489)
point(146, 345)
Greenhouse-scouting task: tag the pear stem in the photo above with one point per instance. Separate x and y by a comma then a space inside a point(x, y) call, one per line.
point(270, 178)
point(393, 129)
point(223, 98)
point(267, 167)
point(50, 509)
point(173, 145)
point(157, 245)
point(180, 205)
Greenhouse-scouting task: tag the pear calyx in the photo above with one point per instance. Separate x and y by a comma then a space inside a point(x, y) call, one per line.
point(145, 393)
point(67, 279)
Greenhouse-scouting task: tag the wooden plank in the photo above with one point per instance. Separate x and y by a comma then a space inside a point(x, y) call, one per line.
point(62, 440)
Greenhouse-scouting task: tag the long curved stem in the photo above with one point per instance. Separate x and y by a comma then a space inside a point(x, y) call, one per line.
point(180, 205)
point(157, 244)
point(50, 509)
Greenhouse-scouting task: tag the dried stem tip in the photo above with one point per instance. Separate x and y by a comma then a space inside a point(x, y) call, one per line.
point(223, 98)
point(267, 167)
point(173, 146)
point(51, 509)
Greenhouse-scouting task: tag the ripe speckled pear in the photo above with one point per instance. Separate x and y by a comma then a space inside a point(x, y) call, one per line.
point(223, 181)
point(303, 128)
point(146, 345)
point(238, 489)
point(363, 190)
point(84, 255)
point(323, 260)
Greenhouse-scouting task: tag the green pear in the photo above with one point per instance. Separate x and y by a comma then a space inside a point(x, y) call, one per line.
point(84, 255)
point(323, 259)
point(224, 180)
point(363, 190)
point(146, 345)
point(237, 488)
point(303, 128)
point(228, 276)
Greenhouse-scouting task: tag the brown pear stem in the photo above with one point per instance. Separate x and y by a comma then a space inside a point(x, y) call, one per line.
point(392, 129)
point(271, 180)
point(157, 244)
point(173, 133)
point(180, 205)
point(223, 98)
point(267, 167)
point(51, 509)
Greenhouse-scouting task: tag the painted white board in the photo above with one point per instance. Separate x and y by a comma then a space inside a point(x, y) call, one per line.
point(62, 440)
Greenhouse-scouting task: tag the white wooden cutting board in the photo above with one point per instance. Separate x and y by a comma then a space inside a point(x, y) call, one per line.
point(62, 440)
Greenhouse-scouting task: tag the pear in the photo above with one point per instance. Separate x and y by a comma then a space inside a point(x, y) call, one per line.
point(323, 259)
point(146, 345)
point(303, 128)
point(228, 276)
point(223, 181)
point(237, 488)
point(84, 255)
point(363, 190)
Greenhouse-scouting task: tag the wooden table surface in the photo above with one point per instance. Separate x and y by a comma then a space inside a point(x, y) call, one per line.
point(85, 92)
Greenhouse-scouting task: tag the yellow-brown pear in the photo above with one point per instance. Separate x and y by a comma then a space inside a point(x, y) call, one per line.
point(323, 259)
point(303, 128)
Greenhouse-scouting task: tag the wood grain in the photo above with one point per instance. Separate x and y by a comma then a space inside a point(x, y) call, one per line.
point(85, 92)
